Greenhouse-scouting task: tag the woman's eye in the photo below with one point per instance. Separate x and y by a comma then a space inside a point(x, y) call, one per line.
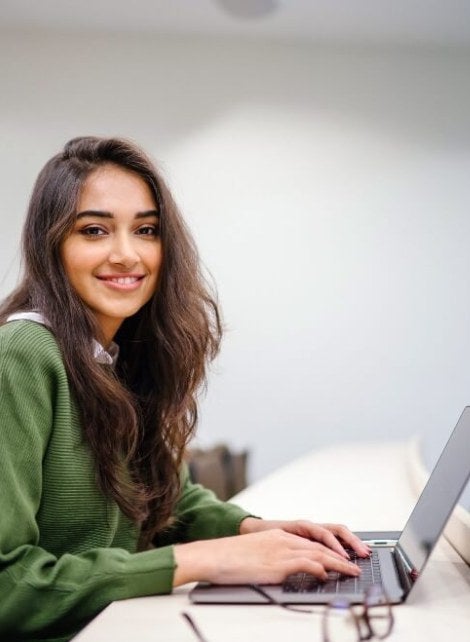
point(92, 230)
point(148, 230)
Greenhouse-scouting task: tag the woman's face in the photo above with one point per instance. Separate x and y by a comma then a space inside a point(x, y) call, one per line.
point(113, 255)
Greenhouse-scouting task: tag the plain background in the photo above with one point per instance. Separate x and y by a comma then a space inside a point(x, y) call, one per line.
point(328, 190)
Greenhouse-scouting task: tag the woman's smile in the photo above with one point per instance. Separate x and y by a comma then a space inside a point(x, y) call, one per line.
point(127, 283)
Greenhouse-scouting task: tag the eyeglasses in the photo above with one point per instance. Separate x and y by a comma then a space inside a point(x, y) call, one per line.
point(269, 599)
point(342, 622)
point(272, 600)
point(192, 623)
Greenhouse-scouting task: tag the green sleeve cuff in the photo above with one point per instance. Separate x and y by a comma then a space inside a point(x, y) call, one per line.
point(149, 573)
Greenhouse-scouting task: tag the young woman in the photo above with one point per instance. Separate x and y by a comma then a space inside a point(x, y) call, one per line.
point(103, 348)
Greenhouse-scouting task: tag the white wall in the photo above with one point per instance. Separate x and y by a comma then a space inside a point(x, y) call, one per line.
point(328, 191)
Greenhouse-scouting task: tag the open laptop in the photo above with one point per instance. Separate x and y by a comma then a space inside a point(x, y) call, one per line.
point(398, 557)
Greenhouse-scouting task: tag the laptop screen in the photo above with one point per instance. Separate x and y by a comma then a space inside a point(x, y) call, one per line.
point(440, 495)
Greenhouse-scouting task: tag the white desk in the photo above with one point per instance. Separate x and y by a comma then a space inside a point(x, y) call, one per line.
point(326, 487)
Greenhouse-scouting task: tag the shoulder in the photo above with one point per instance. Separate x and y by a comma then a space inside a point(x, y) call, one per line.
point(28, 340)
point(24, 331)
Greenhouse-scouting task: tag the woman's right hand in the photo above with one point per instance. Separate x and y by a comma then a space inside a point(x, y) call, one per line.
point(264, 557)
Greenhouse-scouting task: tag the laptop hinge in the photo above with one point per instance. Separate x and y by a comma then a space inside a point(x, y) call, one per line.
point(408, 575)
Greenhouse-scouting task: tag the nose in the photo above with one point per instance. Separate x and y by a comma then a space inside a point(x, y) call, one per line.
point(123, 252)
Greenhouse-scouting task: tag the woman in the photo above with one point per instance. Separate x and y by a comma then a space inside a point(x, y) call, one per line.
point(103, 348)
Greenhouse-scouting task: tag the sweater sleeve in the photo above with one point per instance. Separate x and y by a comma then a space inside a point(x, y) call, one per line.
point(44, 595)
point(203, 515)
point(199, 514)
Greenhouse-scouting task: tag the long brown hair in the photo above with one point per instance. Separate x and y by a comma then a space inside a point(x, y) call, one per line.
point(139, 417)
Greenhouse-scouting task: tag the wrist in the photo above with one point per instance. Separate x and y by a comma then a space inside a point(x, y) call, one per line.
point(250, 525)
point(192, 563)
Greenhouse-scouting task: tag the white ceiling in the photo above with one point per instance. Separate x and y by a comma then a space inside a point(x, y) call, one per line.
point(421, 22)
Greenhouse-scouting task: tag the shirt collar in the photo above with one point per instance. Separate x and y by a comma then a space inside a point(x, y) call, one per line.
point(108, 357)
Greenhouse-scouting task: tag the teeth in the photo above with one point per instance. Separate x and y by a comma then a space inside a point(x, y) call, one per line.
point(125, 280)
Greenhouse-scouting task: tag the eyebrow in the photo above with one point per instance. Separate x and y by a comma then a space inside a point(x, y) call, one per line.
point(105, 214)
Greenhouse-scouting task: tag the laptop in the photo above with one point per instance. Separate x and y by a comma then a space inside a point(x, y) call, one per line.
point(398, 557)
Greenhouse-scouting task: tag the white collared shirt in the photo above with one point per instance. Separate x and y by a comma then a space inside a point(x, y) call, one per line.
point(101, 355)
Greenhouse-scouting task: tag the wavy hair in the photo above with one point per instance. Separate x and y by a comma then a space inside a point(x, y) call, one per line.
point(139, 417)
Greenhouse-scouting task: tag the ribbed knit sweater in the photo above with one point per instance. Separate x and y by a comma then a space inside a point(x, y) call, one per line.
point(66, 551)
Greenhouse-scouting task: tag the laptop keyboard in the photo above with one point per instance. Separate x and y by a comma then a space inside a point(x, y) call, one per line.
point(337, 583)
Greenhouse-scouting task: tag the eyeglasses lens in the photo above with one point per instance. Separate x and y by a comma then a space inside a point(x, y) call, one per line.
point(339, 624)
point(379, 613)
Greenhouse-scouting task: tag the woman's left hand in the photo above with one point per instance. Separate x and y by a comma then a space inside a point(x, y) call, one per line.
point(331, 535)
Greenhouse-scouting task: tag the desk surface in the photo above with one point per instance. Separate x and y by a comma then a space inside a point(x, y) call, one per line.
point(323, 486)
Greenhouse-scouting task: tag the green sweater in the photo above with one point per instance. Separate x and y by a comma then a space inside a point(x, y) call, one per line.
point(65, 550)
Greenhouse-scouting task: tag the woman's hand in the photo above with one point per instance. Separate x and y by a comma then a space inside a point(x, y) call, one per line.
point(266, 556)
point(327, 534)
